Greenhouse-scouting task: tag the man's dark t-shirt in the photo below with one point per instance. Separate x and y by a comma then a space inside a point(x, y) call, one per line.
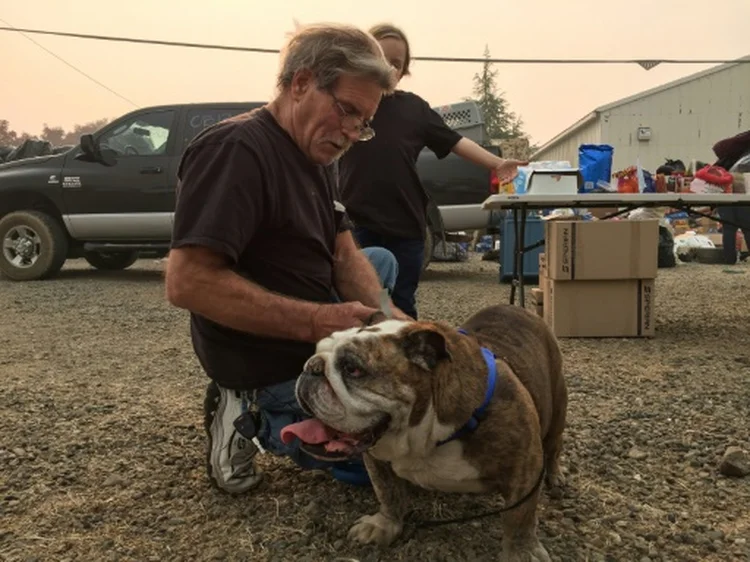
point(380, 186)
point(247, 191)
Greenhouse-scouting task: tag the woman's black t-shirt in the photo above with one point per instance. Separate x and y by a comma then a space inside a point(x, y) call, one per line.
point(380, 187)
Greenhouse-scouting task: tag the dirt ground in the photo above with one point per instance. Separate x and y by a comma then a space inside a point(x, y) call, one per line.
point(101, 447)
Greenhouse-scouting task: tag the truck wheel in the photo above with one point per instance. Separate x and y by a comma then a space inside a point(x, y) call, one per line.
point(110, 261)
point(429, 248)
point(33, 246)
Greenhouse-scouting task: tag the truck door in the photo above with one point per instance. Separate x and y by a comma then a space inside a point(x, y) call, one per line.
point(133, 199)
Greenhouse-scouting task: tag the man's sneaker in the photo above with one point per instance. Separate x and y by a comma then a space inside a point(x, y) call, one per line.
point(230, 457)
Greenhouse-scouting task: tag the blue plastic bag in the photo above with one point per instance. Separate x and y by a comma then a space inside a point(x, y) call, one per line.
point(650, 186)
point(595, 164)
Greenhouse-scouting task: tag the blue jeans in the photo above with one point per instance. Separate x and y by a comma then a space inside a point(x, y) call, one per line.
point(409, 253)
point(385, 264)
point(278, 404)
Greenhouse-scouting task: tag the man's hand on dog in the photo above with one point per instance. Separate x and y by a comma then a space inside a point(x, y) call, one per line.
point(330, 318)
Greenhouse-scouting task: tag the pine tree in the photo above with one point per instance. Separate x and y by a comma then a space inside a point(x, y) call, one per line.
point(499, 120)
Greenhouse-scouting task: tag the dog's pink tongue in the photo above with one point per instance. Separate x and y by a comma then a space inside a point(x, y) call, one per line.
point(309, 431)
point(314, 432)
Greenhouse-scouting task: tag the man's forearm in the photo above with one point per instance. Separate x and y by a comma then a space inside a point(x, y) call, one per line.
point(471, 151)
point(231, 300)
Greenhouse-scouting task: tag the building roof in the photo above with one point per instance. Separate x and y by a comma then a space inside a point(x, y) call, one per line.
point(640, 95)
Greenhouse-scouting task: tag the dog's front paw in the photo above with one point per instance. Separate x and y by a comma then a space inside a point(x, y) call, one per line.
point(555, 480)
point(377, 529)
point(530, 552)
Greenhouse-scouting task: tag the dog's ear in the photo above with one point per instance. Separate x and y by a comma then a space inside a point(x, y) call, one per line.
point(376, 318)
point(426, 348)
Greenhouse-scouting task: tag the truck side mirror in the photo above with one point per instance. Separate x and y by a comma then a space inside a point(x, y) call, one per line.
point(93, 152)
point(88, 147)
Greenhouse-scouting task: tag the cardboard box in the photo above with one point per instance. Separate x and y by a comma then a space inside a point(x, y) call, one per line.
point(538, 301)
point(705, 226)
point(600, 309)
point(543, 276)
point(710, 225)
point(601, 250)
point(681, 229)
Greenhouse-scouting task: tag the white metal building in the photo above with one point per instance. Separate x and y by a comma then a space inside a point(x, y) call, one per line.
point(680, 120)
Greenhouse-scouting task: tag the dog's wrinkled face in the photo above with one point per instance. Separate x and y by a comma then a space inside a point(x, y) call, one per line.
point(364, 382)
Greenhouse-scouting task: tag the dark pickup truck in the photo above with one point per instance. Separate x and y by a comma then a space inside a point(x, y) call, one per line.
point(111, 198)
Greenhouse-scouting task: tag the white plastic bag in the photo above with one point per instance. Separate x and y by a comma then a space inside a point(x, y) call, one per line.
point(645, 213)
point(700, 186)
point(685, 243)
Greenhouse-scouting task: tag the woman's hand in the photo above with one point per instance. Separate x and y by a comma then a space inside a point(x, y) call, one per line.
point(507, 170)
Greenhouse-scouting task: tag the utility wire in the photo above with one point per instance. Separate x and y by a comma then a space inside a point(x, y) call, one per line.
point(645, 63)
point(58, 57)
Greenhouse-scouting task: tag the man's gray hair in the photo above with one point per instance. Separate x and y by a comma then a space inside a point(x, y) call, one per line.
point(329, 51)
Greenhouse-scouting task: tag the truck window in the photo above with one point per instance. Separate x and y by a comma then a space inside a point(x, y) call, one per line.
point(200, 119)
point(144, 135)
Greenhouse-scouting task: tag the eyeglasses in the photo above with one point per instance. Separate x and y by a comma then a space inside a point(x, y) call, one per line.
point(352, 121)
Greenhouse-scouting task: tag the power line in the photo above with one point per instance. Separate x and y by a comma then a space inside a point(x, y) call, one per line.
point(144, 41)
point(58, 57)
point(647, 64)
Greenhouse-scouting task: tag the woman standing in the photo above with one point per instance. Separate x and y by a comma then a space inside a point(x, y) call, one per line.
point(734, 156)
point(380, 186)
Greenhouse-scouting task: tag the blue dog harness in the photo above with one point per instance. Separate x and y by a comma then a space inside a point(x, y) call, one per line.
point(480, 413)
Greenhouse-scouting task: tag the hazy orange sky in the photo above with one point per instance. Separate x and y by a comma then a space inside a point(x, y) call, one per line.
point(37, 88)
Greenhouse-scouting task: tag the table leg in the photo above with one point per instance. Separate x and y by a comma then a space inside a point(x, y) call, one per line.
point(516, 249)
point(519, 229)
point(521, 254)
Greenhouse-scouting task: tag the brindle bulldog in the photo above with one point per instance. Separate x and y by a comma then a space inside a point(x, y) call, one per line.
point(481, 409)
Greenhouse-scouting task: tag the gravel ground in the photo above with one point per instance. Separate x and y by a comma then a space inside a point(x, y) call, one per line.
point(101, 456)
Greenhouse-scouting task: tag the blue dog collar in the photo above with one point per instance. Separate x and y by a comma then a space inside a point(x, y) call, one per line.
point(480, 413)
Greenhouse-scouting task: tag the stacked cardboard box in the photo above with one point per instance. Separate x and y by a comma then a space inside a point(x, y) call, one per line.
point(597, 278)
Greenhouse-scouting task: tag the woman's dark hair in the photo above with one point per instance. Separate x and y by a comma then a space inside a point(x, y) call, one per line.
point(388, 31)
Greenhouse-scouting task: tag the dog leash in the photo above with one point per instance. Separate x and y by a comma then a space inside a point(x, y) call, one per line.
point(417, 524)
